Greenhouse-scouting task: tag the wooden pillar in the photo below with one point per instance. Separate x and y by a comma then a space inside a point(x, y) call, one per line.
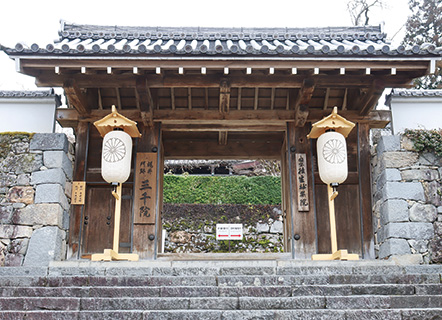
point(303, 217)
point(285, 199)
point(364, 169)
point(76, 223)
point(148, 193)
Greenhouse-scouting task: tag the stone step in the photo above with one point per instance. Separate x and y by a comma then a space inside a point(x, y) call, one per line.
point(230, 291)
point(217, 268)
point(387, 314)
point(374, 302)
point(232, 280)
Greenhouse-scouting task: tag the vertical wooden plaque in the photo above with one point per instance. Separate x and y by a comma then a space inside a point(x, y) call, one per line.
point(145, 188)
point(78, 192)
point(302, 181)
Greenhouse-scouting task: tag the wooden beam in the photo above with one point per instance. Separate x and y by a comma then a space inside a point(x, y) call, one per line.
point(233, 149)
point(238, 64)
point(256, 100)
point(213, 81)
point(76, 98)
point(302, 101)
point(272, 99)
point(227, 126)
point(376, 118)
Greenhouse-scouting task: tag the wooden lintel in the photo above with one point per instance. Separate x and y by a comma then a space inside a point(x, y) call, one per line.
point(76, 98)
point(233, 149)
point(376, 118)
point(302, 101)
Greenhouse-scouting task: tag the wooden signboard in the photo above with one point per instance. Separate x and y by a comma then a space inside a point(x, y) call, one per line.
point(78, 192)
point(302, 181)
point(145, 188)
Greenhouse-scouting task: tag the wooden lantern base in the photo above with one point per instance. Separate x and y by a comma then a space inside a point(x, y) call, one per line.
point(110, 255)
point(337, 255)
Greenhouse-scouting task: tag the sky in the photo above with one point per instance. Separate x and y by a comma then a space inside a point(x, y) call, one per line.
point(38, 21)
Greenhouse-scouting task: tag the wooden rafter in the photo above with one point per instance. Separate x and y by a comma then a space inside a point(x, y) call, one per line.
point(239, 98)
point(100, 100)
point(189, 98)
point(302, 101)
point(76, 98)
point(327, 95)
point(172, 98)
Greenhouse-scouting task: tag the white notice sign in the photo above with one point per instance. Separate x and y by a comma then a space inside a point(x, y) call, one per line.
point(229, 231)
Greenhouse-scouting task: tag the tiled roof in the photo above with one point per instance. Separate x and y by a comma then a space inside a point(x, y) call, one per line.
point(161, 41)
point(416, 93)
point(27, 94)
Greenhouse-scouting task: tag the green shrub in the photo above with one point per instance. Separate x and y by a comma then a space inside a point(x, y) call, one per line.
point(222, 190)
point(426, 140)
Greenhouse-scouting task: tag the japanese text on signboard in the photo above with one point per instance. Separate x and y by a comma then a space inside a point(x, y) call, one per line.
point(302, 181)
point(145, 188)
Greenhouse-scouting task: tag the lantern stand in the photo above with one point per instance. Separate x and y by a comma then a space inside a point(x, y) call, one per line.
point(110, 123)
point(333, 123)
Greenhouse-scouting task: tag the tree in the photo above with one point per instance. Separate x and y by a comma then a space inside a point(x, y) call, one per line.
point(425, 26)
point(359, 10)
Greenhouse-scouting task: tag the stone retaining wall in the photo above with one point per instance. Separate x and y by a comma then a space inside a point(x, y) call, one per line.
point(35, 187)
point(192, 233)
point(407, 201)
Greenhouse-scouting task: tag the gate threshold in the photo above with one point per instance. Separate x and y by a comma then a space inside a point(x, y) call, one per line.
point(223, 256)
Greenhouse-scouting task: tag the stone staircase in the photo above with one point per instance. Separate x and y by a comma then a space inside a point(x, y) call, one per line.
point(283, 289)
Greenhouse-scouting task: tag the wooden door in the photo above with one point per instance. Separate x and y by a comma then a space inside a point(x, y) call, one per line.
point(98, 220)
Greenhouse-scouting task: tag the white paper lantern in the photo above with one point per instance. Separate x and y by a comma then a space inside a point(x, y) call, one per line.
point(332, 157)
point(116, 156)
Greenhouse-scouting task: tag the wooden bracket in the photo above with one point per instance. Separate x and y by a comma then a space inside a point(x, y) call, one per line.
point(76, 98)
point(302, 101)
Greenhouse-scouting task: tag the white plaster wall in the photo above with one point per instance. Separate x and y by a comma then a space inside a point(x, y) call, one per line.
point(27, 115)
point(416, 113)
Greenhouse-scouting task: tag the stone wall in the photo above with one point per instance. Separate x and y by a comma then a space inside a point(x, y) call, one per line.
point(35, 186)
point(407, 201)
point(196, 232)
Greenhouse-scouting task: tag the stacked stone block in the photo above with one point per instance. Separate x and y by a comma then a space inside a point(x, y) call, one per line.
point(35, 184)
point(258, 236)
point(407, 201)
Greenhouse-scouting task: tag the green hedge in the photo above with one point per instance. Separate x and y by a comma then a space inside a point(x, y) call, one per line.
point(222, 190)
